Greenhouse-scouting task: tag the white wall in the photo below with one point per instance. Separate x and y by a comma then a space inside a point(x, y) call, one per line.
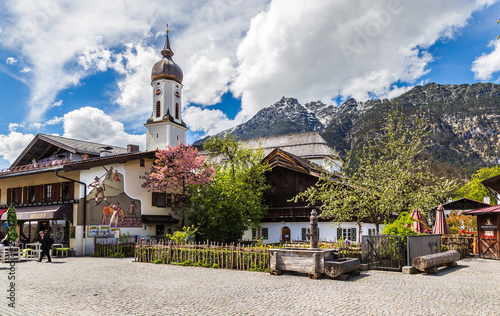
point(327, 230)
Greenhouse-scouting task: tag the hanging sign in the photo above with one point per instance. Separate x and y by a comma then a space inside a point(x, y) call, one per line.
point(488, 229)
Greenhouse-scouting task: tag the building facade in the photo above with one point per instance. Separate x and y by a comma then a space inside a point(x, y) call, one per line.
point(76, 189)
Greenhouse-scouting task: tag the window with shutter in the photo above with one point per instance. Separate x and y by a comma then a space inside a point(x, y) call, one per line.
point(265, 233)
point(56, 195)
point(159, 199)
point(158, 108)
point(25, 195)
point(169, 200)
point(72, 190)
point(154, 198)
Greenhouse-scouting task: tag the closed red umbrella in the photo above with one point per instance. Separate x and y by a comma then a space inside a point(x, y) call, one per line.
point(441, 226)
point(420, 225)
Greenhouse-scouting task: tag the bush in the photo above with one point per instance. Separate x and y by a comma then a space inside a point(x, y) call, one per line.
point(400, 227)
point(185, 235)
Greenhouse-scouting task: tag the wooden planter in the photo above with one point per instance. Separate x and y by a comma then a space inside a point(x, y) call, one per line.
point(315, 262)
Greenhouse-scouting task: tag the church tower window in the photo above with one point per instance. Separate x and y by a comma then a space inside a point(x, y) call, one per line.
point(158, 108)
point(177, 111)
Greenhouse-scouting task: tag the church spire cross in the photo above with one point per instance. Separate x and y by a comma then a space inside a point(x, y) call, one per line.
point(167, 50)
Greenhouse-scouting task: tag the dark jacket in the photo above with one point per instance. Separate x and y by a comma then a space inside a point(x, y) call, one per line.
point(47, 242)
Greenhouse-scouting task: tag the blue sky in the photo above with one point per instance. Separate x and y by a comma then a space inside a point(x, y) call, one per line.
point(82, 69)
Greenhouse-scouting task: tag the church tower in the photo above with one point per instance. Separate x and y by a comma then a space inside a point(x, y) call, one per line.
point(165, 126)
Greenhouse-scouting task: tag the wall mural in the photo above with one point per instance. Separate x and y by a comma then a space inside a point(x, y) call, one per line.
point(109, 204)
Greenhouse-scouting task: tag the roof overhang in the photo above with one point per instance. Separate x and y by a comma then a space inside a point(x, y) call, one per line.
point(47, 212)
point(159, 219)
point(96, 162)
point(462, 205)
point(493, 184)
point(484, 210)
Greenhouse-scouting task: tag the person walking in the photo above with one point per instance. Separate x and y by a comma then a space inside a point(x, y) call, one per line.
point(46, 245)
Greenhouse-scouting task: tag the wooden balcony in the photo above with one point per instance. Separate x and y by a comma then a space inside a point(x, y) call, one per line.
point(289, 214)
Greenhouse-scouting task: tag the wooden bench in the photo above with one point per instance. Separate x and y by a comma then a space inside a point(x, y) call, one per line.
point(430, 263)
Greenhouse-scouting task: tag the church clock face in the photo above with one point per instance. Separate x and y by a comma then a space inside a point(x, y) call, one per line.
point(177, 94)
point(158, 92)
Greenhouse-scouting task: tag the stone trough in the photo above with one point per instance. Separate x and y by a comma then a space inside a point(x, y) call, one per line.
point(313, 261)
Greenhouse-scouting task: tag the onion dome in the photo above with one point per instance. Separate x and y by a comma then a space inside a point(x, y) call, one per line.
point(166, 68)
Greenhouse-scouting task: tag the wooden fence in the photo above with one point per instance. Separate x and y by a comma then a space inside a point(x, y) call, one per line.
point(110, 247)
point(209, 254)
point(206, 254)
point(114, 250)
point(465, 245)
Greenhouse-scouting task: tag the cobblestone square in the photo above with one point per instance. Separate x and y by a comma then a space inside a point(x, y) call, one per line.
point(110, 286)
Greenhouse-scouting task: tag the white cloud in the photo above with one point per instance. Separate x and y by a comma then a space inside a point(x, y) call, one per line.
point(55, 120)
point(25, 70)
point(319, 50)
point(208, 121)
point(487, 64)
point(92, 124)
point(64, 42)
point(15, 126)
point(134, 96)
point(13, 144)
point(309, 50)
point(58, 103)
point(208, 80)
point(11, 61)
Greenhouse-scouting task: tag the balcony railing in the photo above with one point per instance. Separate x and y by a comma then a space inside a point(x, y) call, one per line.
point(35, 166)
point(290, 212)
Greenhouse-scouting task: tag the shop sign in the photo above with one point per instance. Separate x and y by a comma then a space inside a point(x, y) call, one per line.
point(488, 229)
point(35, 216)
point(103, 230)
point(115, 232)
point(93, 231)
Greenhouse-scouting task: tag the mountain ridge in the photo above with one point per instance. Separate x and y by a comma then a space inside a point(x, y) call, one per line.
point(466, 120)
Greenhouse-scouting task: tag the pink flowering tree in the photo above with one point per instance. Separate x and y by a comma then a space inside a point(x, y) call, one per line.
point(178, 171)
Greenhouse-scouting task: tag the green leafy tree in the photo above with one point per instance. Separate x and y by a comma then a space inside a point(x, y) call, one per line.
point(383, 177)
point(457, 221)
point(475, 190)
point(233, 201)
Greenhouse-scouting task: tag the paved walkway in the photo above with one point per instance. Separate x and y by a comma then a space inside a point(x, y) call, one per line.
point(106, 286)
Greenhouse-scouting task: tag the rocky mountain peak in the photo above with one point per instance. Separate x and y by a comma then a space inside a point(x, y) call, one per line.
point(466, 120)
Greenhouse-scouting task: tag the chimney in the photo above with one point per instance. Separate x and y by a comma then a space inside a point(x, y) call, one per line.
point(132, 148)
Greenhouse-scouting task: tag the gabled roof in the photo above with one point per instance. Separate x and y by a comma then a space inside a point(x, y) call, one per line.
point(305, 145)
point(281, 158)
point(493, 184)
point(43, 145)
point(462, 205)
